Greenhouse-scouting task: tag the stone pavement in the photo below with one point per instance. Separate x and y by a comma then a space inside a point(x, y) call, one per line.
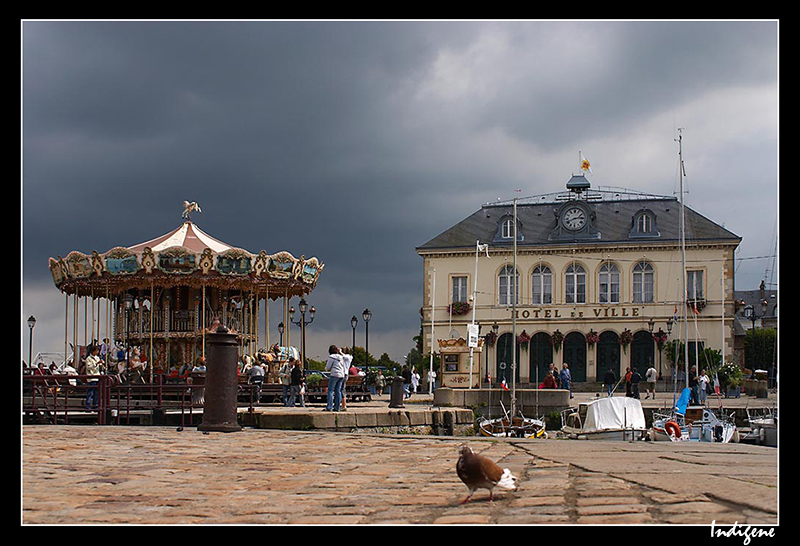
point(159, 475)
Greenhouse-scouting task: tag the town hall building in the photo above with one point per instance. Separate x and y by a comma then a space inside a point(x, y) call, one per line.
point(598, 284)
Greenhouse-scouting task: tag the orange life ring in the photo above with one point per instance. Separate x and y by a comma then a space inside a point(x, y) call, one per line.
point(672, 428)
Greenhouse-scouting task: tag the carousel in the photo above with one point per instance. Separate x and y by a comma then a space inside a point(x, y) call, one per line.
point(158, 299)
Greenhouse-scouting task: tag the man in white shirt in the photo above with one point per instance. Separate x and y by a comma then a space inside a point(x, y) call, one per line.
point(650, 376)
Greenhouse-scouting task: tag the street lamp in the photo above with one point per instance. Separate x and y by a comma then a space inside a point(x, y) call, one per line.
point(281, 328)
point(31, 324)
point(354, 323)
point(750, 312)
point(367, 316)
point(302, 323)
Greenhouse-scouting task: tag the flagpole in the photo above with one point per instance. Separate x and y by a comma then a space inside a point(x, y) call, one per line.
point(433, 301)
point(474, 292)
point(514, 323)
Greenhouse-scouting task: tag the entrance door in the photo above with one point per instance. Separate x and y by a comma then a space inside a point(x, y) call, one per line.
point(608, 355)
point(541, 356)
point(575, 355)
point(505, 344)
point(642, 351)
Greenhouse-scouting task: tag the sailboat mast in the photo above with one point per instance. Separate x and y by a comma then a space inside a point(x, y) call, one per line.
point(683, 261)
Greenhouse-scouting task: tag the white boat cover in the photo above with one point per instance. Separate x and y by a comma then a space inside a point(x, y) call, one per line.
point(613, 413)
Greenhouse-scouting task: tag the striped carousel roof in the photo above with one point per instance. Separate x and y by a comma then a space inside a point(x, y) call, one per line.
point(188, 235)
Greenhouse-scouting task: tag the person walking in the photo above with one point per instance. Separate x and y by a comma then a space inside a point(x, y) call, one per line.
point(635, 379)
point(406, 374)
point(414, 380)
point(380, 383)
point(702, 385)
point(284, 375)
point(257, 378)
point(651, 375)
point(296, 385)
point(566, 378)
point(334, 365)
point(609, 380)
point(92, 369)
point(347, 362)
point(628, 375)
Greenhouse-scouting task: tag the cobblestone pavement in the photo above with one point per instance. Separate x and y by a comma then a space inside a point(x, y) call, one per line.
point(159, 475)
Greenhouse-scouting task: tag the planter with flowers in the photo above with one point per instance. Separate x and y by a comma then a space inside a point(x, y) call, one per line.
point(490, 339)
point(459, 308)
point(660, 338)
point(625, 339)
point(556, 339)
point(592, 338)
point(523, 339)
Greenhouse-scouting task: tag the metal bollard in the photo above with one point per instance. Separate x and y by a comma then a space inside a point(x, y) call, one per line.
point(221, 383)
point(396, 400)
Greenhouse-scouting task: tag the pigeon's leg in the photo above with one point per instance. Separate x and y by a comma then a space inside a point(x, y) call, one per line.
point(491, 499)
point(466, 500)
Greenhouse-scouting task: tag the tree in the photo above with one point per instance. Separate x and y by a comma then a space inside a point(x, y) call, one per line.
point(759, 348)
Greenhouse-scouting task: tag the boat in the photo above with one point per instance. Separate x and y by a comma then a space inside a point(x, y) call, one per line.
point(615, 418)
point(517, 427)
point(763, 427)
point(692, 423)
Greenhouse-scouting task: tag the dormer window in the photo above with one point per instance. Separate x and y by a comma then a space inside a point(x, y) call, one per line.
point(505, 230)
point(644, 224)
point(508, 229)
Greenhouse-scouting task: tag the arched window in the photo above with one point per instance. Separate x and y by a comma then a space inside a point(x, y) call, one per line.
point(643, 283)
point(542, 285)
point(508, 229)
point(609, 283)
point(508, 286)
point(575, 284)
point(644, 224)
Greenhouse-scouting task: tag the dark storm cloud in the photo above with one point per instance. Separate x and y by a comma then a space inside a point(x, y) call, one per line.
point(351, 141)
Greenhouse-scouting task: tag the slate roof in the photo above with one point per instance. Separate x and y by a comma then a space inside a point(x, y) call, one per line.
point(614, 211)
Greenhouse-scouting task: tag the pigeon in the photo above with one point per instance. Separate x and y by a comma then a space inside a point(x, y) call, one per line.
point(477, 471)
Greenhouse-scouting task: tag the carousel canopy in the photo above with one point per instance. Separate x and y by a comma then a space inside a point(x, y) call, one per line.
point(188, 236)
point(186, 256)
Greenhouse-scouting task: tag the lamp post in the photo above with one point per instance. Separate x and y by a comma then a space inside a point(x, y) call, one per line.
point(367, 316)
point(750, 312)
point(281, 328)
point(302, 323)
point(31, 324)
point(354, 323)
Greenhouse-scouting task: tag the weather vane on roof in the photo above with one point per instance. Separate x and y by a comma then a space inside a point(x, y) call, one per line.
point(188, 208)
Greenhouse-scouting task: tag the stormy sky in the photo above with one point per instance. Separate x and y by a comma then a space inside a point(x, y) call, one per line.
point(357, 141)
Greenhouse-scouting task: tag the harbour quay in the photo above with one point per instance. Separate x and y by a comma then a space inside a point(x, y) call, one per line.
point(111, 475)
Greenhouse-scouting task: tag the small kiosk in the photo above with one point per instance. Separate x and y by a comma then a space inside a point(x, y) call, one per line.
point(455, 366)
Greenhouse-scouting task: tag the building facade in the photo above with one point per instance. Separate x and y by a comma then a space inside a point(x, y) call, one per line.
point(595, 275)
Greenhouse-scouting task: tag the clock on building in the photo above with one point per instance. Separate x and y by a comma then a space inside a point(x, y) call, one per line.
point(574, 218)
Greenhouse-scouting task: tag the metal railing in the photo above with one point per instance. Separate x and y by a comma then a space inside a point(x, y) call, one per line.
point(64, 399)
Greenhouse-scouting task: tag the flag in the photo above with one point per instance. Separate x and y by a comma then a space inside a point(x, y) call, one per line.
point(675, 314)
point(503, 384)
point(716, 384)
point(585, 165)
point(694, 306)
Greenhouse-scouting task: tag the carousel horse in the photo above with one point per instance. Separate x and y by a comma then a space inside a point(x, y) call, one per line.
point(189, 207)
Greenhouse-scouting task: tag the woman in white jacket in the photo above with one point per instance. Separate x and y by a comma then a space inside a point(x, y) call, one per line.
point(335, 365)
